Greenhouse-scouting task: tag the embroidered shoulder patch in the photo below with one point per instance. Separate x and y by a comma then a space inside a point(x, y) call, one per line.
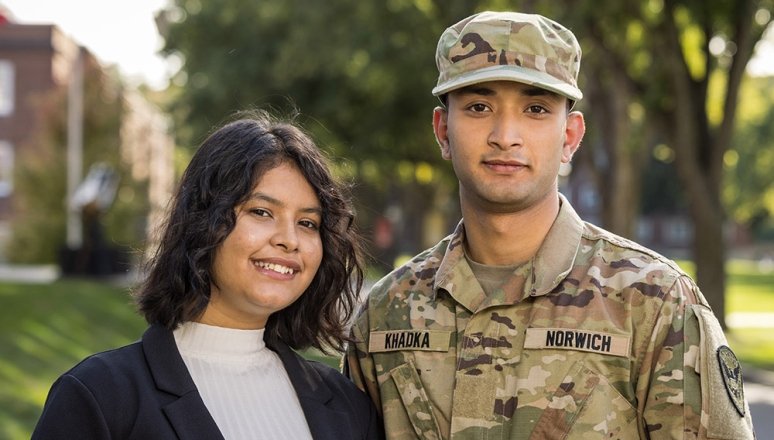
point(731, 371)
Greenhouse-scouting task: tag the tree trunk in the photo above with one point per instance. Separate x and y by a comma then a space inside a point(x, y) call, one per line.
point(616, 156)
point(709, 255)
point(628, 149)
point(700, 148)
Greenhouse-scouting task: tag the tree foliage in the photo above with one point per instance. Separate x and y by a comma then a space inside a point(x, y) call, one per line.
point(362, 72)
point(662, 57)
point(749, 187)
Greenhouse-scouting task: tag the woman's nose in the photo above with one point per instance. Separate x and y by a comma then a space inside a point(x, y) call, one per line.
point(286, 236)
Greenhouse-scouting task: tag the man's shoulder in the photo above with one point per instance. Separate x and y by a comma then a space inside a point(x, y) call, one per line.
point(626, 254)
point(418, 274)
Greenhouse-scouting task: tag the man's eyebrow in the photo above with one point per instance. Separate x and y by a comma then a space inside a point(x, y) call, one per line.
point(477, 89)
point(273, 201)
point(536, 91)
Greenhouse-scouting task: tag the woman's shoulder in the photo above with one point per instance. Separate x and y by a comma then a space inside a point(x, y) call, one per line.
point(331, 376)
point(348, 398)
point(341, 386)
point(106, 366)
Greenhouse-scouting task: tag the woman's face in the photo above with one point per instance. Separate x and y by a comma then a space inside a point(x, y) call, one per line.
point(271, 256)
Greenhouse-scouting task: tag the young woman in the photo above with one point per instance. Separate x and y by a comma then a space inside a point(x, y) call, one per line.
point(258, 257)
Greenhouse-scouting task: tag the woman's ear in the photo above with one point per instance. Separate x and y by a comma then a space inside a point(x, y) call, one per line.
point(441, 130)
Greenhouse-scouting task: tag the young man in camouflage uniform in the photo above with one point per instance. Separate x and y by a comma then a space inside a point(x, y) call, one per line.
point(526, 322)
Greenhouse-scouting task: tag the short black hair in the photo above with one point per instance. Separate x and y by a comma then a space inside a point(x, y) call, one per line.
point(221, 176)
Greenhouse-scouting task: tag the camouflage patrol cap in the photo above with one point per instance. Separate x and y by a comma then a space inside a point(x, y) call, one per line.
point(511, 46)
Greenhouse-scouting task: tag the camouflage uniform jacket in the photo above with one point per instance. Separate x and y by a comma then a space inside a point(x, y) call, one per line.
point(595, 338)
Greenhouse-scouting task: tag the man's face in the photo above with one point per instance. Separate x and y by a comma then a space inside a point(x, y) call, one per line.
point(506, 141)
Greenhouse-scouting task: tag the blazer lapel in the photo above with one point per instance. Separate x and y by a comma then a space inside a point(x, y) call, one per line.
point(191, 420)
point(314, 395)
point(187, 414)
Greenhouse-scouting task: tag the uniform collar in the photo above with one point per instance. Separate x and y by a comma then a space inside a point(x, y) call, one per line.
point(541, 275)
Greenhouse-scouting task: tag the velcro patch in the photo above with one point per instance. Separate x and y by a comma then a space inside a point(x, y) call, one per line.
point(581, 340)
point(721, 379)
point(731, 371)
point(400, 340)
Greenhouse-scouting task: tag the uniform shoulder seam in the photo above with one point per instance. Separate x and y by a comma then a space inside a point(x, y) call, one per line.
point(593, 232)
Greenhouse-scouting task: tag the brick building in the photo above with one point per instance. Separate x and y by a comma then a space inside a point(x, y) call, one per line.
point(38, 60)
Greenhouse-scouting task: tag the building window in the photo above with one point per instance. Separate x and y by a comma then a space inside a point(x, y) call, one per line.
point(6, 169)
point(6, 87)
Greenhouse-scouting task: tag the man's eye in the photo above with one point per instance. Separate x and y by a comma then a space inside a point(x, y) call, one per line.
point(478, 107)
point(536, 109)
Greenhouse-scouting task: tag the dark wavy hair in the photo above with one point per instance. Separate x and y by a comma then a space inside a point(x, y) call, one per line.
point(221, 176)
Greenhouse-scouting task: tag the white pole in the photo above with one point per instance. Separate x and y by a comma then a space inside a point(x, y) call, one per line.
point(74, 151)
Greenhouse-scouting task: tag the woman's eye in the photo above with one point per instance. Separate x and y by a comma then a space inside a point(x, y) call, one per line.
point(309, 224)
point(260, 212)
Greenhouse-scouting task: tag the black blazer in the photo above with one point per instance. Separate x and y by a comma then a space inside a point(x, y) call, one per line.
point(144, 391)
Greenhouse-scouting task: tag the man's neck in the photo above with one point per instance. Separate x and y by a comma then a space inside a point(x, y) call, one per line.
point(508, 238)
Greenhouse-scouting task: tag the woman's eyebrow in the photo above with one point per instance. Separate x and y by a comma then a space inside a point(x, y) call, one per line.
point(274, 201)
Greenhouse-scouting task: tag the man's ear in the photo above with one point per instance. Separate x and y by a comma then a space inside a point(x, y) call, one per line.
point(441, 130)
point(573, 134)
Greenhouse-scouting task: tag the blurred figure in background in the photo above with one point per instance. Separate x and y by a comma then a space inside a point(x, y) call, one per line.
point(259, 256)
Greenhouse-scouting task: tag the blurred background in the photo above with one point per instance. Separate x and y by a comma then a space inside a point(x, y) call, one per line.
point(102, 105)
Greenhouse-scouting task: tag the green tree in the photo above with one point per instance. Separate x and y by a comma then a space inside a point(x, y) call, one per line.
point(749, 183)
point(361, 73)
point(697, 42)
point(652, 65)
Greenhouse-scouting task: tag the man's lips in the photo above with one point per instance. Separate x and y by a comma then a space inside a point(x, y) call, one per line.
point(504, 165)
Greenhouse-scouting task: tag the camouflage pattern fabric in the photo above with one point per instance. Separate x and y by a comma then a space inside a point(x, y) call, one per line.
point(511, 46)
point(595, 338)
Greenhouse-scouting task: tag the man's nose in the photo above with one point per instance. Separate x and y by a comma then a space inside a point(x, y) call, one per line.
point(505, 132)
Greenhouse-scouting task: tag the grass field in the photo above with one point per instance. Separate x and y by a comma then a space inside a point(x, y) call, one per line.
point(751, 289)
point(46, 329)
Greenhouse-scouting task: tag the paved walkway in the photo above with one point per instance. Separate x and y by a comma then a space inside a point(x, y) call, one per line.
point(29, 274)
point(759, 391)
point(750, 320)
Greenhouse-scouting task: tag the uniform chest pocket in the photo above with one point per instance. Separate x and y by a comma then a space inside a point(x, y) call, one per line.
point(586, 405)
point(415, 401)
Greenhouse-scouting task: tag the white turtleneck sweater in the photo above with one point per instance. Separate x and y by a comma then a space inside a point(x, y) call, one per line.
point(243, 384)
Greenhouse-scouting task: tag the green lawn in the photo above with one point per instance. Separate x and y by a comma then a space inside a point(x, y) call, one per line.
point(751, 289)
point(46, 329)
point(750, 286)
